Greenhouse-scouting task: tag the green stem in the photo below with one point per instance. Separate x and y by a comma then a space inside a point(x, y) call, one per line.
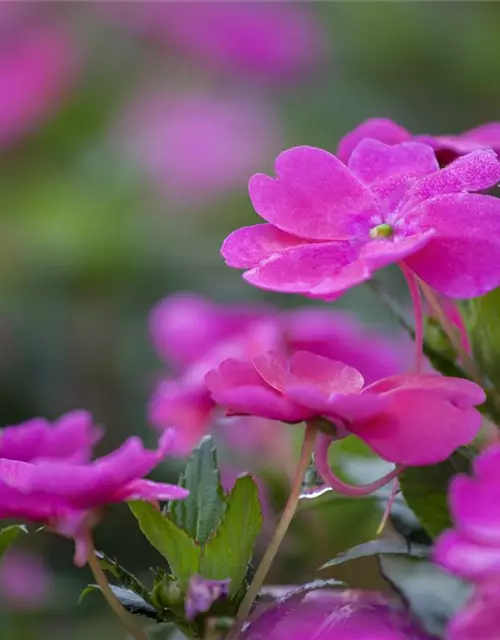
point(279, 534)
point(468, 364)
point(100, 577)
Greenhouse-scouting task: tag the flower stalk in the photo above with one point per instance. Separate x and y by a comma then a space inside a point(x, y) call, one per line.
point(279, 534)
point(100, 577)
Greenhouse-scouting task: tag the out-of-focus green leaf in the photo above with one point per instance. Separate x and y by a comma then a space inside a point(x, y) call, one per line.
point(174, 544)
point(425, 490)
point(432, 595)
point(201, 512)
point(230, 549)
point(8, 535)
point(481, 319)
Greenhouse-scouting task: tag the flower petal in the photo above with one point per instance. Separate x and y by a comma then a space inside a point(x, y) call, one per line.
point(247, 247)
point(458, 390)
point(463, 259)
point(320, 270)
point(148, 490)
point(375, 162)
point(417, 427)
point(314, 196)
point(475, 507)
point(474, 172)
point(381, 252)
point(467, 559)
point(381, 129)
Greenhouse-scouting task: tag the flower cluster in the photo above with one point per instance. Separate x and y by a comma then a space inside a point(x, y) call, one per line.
point(472, 549)
point(195, 336)
point(47, 476)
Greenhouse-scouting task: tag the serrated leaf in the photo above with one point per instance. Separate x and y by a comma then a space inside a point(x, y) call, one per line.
point(200, 513)
point(174, 544)
point(379, 547)
point(228, 553)
point(426, 490)
point(126, 578)
point(130, 600)
point(8, 535)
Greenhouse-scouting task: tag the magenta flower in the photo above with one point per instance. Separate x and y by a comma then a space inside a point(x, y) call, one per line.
point(25, 581)
point(196, 335)
point(70, 438)
point(195, 145)
point(472, 549)
point(335, 615)
point(414, 419)
point(66, 492)
point(203, 593)
point(265, 40)
point(37, 65)
point(447, 147)
point(330, 226)
point(340, 336)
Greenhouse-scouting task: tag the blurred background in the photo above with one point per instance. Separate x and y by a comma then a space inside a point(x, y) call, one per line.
point(128, 132)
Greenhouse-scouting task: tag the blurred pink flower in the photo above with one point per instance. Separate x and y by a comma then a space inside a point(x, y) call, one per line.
point(334, 615)
point(279, 41)
point(66, 491)
point(447, 147)
point(25, 581)
point(202, 594)
point(411, 419)
point(330, 226)
point(37, 67)
point(196, 145)
point(472, 549)
point(195, 335)
point(70, 438)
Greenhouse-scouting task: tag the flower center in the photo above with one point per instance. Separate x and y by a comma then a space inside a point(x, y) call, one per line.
point(381, 231)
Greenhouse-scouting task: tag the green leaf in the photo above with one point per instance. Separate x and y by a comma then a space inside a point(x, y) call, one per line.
point(432, 595)
point(126, 578)
point(132, 602)
point(201, 512)
point(174, 544)
point(481, 319)
point(379, 547)
point(228, 552)
point(8, 535)
point(425, 490)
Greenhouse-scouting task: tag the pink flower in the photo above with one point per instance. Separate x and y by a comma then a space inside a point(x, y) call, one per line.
point(334, 615)
point(196, 335)
point(339, 335)
point(66, 491)
point(197, 145)
point(70, 438)
point(407, 419)
point(184, 327)
point(330, 226)
point(447, 147)
point(202, 594)
point(25, 581)
point(37, 65)
point(266, 40)
point(472, 549)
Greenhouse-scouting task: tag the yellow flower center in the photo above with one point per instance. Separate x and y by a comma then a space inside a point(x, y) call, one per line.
point(381, 231)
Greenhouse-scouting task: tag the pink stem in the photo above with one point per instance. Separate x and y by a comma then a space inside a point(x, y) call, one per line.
point(323, 443)
point(418, 311)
